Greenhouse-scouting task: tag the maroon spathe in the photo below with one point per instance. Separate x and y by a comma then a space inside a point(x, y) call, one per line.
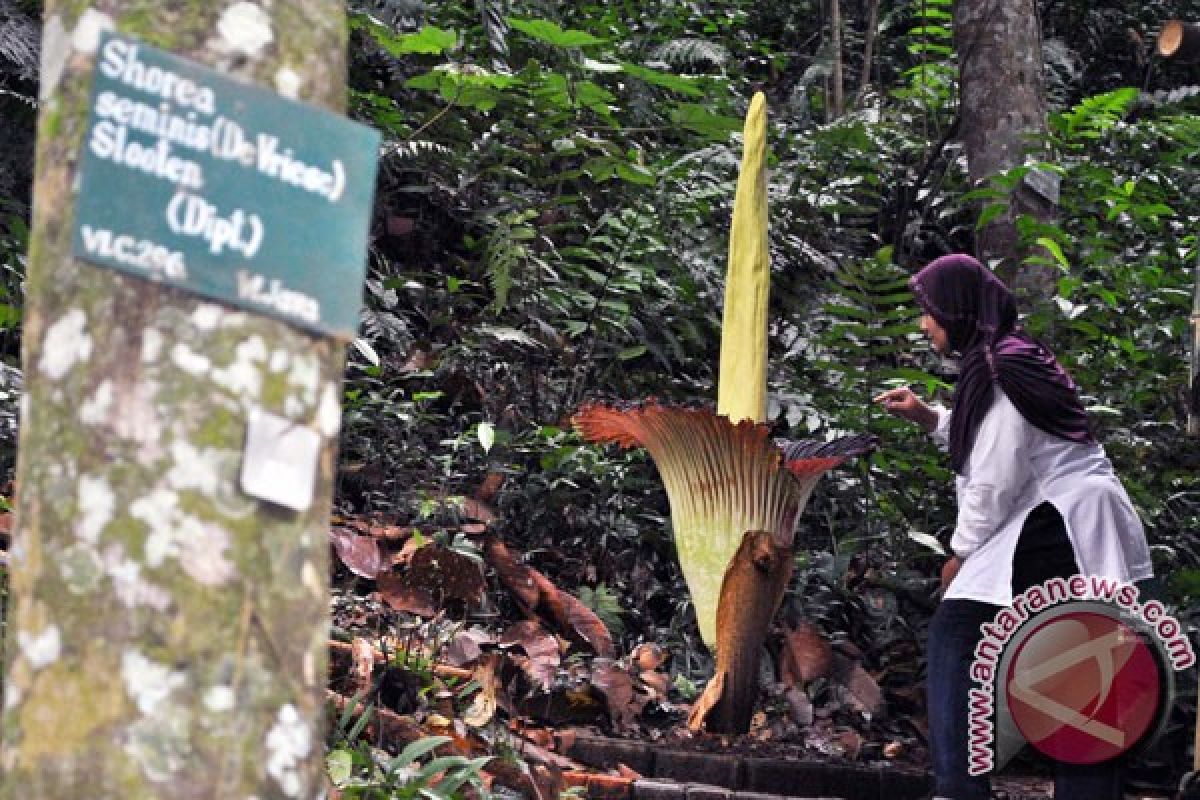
point(979, 315)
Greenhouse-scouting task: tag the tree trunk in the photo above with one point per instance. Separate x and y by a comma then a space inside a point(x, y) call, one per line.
point(168, 632)
point(869, 45)
point(839, 83)
point(1180, 41)
point(1193, 424)
point(1003, 116)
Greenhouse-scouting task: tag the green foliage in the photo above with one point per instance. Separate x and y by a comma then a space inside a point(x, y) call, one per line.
point(551, 228)
point(361, 773)
point(607, 606)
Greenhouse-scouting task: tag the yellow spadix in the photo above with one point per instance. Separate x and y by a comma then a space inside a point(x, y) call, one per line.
point(742, 381)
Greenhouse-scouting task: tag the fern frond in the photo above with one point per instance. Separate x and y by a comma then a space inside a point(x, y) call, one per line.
point(396, 14)
point(690, 53)
point(19, 42)
point(494, 16)
point(606, 605)
point(1063, 71)
point(411, 150)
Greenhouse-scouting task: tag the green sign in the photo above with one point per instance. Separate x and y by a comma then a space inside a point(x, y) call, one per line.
point(224, 189)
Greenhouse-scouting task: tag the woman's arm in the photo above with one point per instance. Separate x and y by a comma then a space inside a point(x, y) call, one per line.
point(996, 473)
point(904, 403)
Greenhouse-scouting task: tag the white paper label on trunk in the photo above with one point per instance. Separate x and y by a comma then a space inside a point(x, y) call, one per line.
point(280, 463)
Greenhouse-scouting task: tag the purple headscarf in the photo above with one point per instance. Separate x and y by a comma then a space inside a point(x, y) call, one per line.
point(979, 315)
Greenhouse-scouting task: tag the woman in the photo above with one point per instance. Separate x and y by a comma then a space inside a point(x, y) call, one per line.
point(1037, 498)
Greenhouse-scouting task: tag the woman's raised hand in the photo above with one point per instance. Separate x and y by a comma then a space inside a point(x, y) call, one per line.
point(905, 404)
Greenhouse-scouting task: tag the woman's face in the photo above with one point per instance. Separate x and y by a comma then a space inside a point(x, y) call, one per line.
point(936, 334)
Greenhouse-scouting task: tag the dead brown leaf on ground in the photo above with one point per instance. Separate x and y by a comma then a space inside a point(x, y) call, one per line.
point(616, 685)
point(466, 647)
point(540, 598)
point(806, 655)
point(434, 576)
point(540, 647)
point(360, 554)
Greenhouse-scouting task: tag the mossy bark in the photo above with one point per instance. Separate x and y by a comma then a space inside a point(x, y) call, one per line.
point(168, 633)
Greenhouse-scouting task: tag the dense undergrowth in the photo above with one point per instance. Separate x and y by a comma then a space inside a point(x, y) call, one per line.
point(551, 225)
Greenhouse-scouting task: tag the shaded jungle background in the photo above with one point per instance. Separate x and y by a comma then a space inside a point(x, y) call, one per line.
point(551, 225)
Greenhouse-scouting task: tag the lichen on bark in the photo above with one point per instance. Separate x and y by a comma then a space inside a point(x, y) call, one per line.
point(167, 632)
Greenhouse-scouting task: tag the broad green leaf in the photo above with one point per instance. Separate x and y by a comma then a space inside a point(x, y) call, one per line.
point(430, 40)
point(701, 120)
point(340, 766)
point(546, 31)
point(427, 41)
point(595, 97)
point(1055, 250)
point(666, 80)
point(635, 173)
point(989, 213)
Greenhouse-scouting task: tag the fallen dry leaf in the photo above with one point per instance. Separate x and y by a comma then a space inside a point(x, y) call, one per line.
point(483, 706)
point(806, 655)
point(587, 625)
point(617, 687)
point(539, 645)
point(659, 683)
point(467, 646)
point(649, 656)
point(398, 593)
point(538, 596)
point(862, 691)
point(514, 575)
point(435, 575)
point(360, 554)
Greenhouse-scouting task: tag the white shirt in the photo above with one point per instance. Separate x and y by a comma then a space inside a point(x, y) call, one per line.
point(1013, 467)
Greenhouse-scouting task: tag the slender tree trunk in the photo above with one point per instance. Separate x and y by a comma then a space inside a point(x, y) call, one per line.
point(839, 83)
point(1003, 117)
point(869, 45)
point(1193, 424)
point(168, 632)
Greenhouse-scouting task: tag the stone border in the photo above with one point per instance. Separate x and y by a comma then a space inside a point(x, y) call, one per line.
point(688, 775)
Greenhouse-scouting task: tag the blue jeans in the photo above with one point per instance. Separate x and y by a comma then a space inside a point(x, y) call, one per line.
point(1042, 552)
point(953, 634)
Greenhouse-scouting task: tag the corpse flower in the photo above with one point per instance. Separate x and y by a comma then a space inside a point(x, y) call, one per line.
point(735, 495)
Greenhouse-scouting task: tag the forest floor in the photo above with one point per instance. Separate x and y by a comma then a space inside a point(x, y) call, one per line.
point(458, 636)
